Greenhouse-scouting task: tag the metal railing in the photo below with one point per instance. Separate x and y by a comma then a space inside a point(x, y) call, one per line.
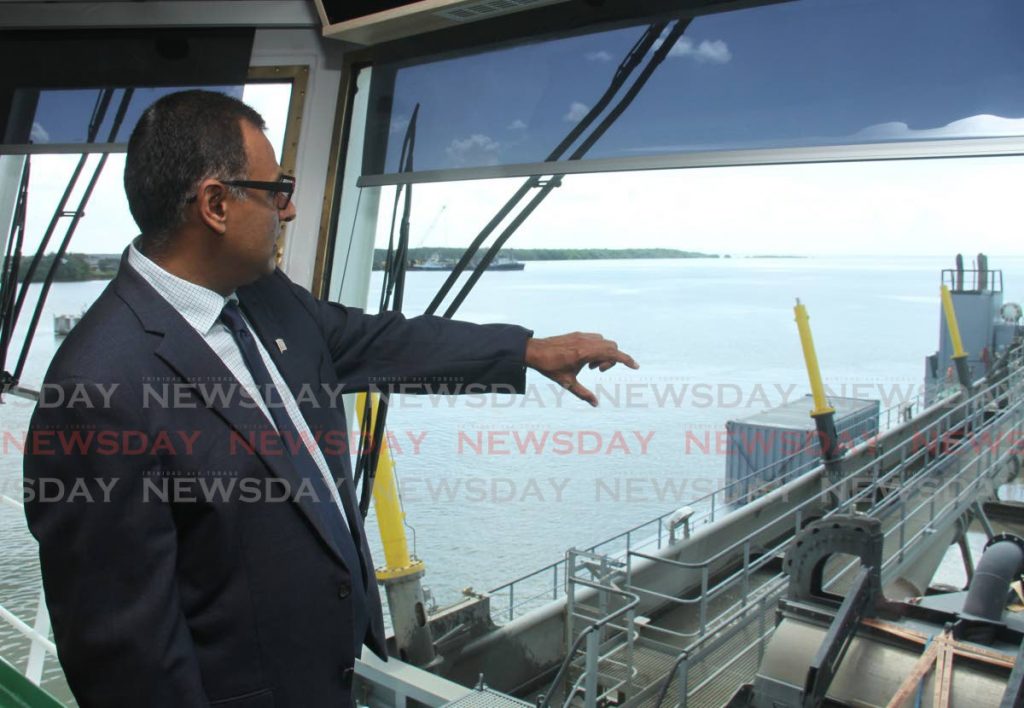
point(38, 633)
point(923, 506)
point(933, 493)
point(908, 454)
point(527, 592)
point(973, 279)
point(590, 678)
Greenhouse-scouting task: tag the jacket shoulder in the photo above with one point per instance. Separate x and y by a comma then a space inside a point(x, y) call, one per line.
point(107, 343)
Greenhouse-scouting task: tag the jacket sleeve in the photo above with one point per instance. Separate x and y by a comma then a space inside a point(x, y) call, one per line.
point(426, 351)
point(107, 550)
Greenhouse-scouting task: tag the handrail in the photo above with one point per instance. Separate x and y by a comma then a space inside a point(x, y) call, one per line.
point(837, 485)
point(4, 499)
point(709, 642)
point(709, 502)
point(41, 644)
point(27, 630)
point(634, 600)
point(914, 482)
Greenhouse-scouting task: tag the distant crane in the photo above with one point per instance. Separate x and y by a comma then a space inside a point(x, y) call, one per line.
point(430, 228)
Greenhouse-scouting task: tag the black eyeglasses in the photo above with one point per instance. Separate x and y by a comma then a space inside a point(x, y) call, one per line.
point(282, 189)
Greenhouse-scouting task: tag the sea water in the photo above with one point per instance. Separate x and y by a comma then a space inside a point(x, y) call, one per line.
point(495, 486)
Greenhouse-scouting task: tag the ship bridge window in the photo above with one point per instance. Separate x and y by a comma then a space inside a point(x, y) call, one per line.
point(92, 255)
point(61, 117)
point(809, 120)
point(787, 77)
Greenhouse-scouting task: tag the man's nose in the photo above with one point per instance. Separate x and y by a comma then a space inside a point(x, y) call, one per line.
point(288, 213)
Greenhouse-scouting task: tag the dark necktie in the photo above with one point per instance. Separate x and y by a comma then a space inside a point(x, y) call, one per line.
point(330, 514)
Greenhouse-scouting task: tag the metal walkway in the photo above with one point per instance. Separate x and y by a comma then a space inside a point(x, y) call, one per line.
point(925, 481)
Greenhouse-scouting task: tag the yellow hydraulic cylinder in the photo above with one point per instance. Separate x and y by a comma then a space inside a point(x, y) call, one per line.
point(951, 323)
point(821, 406)
point(390, 516)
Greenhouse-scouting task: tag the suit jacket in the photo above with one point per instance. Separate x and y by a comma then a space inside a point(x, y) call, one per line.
point(182, 564)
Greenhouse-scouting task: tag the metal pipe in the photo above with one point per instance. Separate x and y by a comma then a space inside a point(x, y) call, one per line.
point(821, 405)
point(959, 355)
point(1001, 564)
point(633, 600)
point(954, 329)
point(823, 413)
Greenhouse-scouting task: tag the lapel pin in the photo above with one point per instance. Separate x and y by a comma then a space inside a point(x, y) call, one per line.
point(281, 346)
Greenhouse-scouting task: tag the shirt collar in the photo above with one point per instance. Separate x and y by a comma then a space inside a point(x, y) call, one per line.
point(201, 307)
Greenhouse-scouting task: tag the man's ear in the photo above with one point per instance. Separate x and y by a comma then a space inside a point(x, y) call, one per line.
point(211, 201)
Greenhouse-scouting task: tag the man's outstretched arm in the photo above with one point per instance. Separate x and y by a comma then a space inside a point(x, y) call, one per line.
point(390, 345)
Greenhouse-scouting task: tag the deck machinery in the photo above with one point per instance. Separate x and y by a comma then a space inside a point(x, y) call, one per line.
point(730, 603)
point(945, 649)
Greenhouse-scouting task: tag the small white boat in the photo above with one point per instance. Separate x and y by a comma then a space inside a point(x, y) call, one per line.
point(62, 324)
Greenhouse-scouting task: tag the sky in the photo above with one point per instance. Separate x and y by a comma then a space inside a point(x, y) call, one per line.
point(933, 207)
point(107, 226)
point(756, 77)
point(804, 73)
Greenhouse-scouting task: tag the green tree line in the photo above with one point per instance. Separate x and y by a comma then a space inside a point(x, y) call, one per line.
point(549, 254)
point(74, 267)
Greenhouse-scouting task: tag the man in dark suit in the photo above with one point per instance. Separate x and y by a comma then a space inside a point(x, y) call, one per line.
point(211, 551)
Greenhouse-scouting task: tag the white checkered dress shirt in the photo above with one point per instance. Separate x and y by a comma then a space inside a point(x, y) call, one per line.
point(201, 308)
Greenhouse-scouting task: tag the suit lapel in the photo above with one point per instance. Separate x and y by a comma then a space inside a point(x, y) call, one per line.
point(185, 351)
point(267, 325)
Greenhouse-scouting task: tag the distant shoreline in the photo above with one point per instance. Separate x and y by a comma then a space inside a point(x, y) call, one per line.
point(82, 267)
point(426, 253)
point(74, 267)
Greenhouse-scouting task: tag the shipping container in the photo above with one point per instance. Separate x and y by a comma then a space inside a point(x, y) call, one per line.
point(772, 447)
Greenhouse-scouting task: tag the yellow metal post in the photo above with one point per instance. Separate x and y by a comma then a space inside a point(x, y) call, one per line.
point(963, 373)
point(821, 406)
point(390, 516)
point(951, 323)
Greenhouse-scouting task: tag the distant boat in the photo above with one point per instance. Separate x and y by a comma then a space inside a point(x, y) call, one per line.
point(63, 324)
point(506, 263)
point(436, 263)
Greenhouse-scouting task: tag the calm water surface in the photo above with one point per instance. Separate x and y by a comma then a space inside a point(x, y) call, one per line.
point(497, 486)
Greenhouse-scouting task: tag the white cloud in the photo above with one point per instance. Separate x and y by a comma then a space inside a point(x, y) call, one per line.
point(973, 127)
point(39, 134)
point(600, 55)
point(576, 112)
point(708, 51)
point(517, 124)
point(399, 124)
point(477, 149)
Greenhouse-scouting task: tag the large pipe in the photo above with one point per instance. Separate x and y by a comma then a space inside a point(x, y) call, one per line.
point(823, 413)
point(1001, 564)
point(959, 355)
point(803, 325)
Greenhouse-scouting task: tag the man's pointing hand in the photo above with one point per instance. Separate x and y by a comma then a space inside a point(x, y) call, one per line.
point(561, 358)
